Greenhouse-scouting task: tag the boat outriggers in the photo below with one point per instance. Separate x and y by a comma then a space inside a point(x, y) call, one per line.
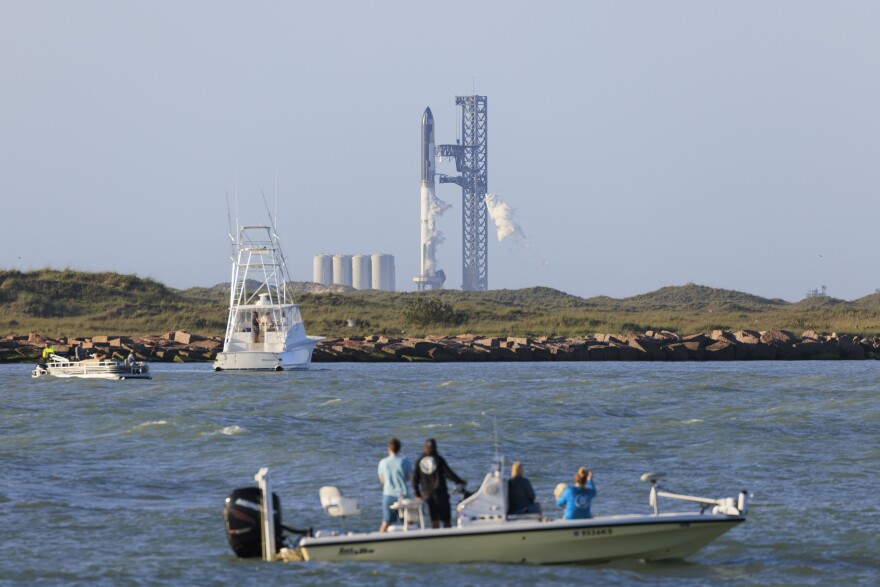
point(265, 331)
point(485, 532)
point(58, 366)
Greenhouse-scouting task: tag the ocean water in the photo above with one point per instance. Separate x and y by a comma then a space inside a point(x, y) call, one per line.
point(123, 483)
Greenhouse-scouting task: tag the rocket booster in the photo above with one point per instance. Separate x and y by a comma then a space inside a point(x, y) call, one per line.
point(427, 193)
point(429, 277)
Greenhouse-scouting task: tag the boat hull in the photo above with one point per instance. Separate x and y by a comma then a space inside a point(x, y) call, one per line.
point(558, 542)
point(297, 358)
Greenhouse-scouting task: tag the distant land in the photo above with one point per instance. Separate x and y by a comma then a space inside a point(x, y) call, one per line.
point(66, 303)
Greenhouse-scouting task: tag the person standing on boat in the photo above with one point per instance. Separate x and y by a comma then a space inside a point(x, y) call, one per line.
point(429, 482)
point(79, 353)
point(520, 494)
point(577, 499)
point(255, 326)
point(394, 475)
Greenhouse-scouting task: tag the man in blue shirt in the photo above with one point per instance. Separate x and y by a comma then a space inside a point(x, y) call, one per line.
point(394, 475)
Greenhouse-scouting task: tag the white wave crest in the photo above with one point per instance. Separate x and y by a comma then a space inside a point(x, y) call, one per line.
point(151, 424)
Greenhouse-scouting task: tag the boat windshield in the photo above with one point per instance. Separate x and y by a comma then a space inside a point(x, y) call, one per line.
point(256, 319)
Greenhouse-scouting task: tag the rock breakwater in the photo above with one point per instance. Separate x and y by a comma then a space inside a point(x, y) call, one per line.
point(718, 345)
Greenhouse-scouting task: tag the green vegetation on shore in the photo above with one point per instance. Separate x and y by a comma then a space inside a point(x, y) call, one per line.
point(73, 303)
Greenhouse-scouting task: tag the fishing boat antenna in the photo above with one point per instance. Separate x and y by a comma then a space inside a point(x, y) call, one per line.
point(495, 433)
point(236, 202)
point(285, 276)
point(271, 218)
point(229, 223)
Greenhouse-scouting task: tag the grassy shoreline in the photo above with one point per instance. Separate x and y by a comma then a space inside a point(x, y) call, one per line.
point(79, 304)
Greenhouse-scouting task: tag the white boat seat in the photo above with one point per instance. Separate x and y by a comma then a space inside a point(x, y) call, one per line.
point(337, 506)
point(408, 508)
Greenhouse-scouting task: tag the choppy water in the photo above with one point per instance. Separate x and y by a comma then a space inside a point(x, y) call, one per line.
point(109, 483)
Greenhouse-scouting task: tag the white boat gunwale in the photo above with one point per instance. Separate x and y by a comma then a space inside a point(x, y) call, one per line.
point(518, 527)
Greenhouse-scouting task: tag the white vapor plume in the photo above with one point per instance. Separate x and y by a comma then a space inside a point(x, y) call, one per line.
point(436, 208)
point(502, 216)
point(507, 226)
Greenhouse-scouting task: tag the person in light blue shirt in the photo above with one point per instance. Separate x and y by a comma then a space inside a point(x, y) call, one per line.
point(394, 475)
point(577, 499)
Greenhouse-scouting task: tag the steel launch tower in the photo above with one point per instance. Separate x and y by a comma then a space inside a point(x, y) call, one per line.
point(471, 159)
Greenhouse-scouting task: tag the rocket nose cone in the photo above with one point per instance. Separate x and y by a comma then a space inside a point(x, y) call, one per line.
point(427, 117)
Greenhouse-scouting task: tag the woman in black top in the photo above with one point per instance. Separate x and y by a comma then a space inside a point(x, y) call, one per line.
point(429, 481)
point(520, 495)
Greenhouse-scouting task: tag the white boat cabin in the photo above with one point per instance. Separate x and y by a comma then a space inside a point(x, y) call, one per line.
point(263, 326)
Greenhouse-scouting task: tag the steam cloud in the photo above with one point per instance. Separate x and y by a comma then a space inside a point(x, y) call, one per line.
point(436, 208)
point(502, 215)
point(507, 226)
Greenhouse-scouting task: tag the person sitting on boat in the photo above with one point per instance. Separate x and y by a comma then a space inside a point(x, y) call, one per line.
point(48, 351)
point(130, 359)
point(395, 473)
point(520, 494)
point(429, 481)
point(577, 499)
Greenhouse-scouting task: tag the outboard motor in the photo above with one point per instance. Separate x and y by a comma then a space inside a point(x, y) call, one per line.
point(242, 516)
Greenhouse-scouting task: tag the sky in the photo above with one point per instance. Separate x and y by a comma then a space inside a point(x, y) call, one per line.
point(640, 144)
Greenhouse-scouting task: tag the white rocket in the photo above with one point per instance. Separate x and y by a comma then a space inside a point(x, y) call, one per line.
point(430, 277)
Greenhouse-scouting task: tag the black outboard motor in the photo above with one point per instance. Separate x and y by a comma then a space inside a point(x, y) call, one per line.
point(242, 516)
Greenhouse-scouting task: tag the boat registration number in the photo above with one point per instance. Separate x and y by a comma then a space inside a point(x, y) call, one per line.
point(594, 532)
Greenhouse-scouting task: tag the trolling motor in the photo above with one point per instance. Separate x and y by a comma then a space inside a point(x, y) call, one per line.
point(245, 528)
point(727, 506)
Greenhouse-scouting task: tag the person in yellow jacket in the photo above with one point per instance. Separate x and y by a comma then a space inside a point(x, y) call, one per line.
point(48, 351)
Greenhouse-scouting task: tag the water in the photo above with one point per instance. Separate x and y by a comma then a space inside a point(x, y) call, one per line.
point(109, 483)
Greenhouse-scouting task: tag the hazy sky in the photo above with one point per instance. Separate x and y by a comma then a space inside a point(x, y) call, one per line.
point(642, 144)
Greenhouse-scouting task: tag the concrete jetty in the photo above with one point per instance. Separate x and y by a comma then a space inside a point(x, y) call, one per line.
point(718, 345)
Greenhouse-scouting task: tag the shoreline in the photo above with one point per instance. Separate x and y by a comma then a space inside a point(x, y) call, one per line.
point(718, 345)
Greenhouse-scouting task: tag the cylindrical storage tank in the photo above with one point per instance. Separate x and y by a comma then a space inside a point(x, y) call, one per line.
point(322, 270)
point(342, 270)
point(383, 272)
point(361, 272)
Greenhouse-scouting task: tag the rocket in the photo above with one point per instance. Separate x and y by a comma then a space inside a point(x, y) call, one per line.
point(430, 277)
point(427, 192)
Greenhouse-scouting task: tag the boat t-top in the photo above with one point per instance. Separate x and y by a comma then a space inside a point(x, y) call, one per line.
point(265, 331)
point(485, 532)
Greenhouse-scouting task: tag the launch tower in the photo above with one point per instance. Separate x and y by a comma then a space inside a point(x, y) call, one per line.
point(471, 158)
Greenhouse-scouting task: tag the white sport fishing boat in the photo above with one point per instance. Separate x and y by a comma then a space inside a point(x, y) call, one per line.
point(265, 331)
point(484, 533)
point(92, 369)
